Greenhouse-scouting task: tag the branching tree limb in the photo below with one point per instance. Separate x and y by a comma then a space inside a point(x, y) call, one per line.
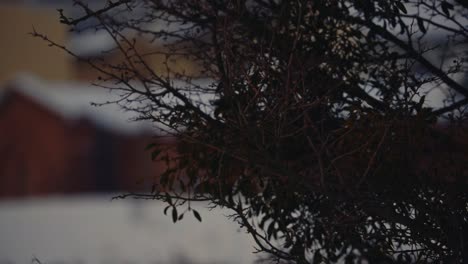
point(308, 119)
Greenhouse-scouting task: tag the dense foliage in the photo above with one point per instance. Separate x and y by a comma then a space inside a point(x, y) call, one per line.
point(314, 128)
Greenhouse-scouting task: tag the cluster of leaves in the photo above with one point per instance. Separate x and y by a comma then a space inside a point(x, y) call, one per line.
point(316, 132)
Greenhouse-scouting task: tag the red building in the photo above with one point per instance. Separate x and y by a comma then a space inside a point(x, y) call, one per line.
point(52, 141)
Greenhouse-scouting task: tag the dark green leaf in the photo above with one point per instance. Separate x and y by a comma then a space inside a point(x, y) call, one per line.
point(270, 229)
point(180, 217)
point(174, 214)
point(165, 209)
point(262, 222)
point(402, 26)
point(150, 146)
point(402, 7)
point(197, 215)
point(446, 7)
point(419, 105)
point(421, 25)
point(155, 154)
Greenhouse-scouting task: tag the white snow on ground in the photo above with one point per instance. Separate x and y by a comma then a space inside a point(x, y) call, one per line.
point(95, 230)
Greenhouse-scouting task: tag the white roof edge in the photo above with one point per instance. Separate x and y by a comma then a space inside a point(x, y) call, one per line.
point(72, 101)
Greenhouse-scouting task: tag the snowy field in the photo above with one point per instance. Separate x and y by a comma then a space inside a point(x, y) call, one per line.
point(96, 230)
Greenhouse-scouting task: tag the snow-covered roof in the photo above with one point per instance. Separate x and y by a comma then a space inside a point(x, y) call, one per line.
point(91, 43)
point(73, 101)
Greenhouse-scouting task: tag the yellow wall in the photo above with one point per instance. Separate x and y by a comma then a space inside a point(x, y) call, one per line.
point(151, 54)
point(20, 52)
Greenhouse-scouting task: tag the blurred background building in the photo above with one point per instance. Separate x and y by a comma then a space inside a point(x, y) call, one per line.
point(52, 140)
point(62, 159)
